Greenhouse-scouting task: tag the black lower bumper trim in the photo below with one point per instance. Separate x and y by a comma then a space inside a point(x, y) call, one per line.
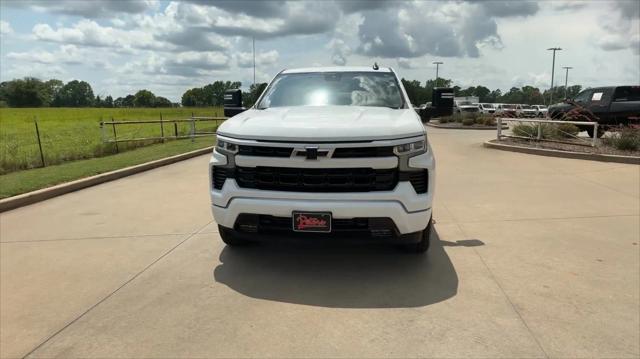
point(255, 227)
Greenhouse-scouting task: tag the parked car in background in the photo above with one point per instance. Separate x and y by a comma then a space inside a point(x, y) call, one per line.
point(334, 152)
point(506, 110)
point(526, 111)
point(463, 107)
point(609, 106)
point(541, 110)
point(486, 108)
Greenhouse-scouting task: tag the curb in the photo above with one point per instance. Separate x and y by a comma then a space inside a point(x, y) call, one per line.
point(63, 188)
point(465, 127)
point(564, 154)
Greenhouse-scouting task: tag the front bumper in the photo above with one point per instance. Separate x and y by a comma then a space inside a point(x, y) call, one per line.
point(409, 211)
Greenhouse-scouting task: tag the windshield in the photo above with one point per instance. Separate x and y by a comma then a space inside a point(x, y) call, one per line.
point(526, 107)
point(509, 106)
point(487, 105)
point(378, 89)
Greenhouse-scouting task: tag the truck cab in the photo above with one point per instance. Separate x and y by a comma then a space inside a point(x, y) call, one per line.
point(609, 106)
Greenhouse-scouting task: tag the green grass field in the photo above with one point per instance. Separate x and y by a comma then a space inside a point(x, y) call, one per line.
point(70, 134)
point(30, 180)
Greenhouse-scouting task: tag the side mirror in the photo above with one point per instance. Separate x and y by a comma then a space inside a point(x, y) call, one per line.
point(233, 102)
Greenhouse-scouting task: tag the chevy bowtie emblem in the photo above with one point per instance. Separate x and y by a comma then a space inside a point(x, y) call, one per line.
point(312, 153)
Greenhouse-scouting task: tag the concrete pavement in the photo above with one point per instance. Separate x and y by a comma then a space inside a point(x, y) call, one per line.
point(534, 257)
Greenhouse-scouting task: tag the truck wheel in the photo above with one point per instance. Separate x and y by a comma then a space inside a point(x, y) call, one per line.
point(423, 245)
point(229, 239)
point(599, 134)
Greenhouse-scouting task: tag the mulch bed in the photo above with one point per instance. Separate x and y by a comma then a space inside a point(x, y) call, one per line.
point(600, 148)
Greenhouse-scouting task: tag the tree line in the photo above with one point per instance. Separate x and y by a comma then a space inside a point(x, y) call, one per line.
point(419, 94)
point(213, 94)
point(32, 92)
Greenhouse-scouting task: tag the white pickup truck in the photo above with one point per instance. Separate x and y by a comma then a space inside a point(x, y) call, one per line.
point(325, 152)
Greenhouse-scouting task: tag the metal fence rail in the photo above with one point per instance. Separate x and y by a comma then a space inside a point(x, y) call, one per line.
point(192, 121)
point(539, 136)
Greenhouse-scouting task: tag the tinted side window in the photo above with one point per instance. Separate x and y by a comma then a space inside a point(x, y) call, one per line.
point(584, 96)
point(627, 93)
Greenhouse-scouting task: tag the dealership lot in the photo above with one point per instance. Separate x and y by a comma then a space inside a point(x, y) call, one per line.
point(534, 257)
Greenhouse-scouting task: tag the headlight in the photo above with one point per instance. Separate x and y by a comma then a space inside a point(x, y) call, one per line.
point(226, 147)
point(413, 147)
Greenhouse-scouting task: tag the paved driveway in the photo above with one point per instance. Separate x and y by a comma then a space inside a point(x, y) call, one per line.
point(534, 257)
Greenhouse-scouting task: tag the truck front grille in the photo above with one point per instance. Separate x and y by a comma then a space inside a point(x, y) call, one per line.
point(359, 152)
point(317, 179)
point(342, 152)
point(263, 151)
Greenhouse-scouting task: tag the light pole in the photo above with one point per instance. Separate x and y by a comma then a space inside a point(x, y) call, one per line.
point(437, 63)
point(553, 69)
point(254, 60)
point(566, 79)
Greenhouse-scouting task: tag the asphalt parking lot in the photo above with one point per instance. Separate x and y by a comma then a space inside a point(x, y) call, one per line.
point(533, 257)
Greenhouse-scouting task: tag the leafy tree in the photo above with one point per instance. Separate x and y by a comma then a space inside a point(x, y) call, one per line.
point(214, 93)
point(108, 101)
point(75, 94)
point(162, 102)
point(194, 97)
point(420, 94)
point(98, 102)
point(128, 101)
point(255, 90)
point(27, 92)
point(144, 98)
point(482, 93)
point(53, 87)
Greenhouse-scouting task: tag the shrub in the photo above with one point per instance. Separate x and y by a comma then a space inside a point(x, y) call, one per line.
point(489, 121)
point(531, 130)
point(472, 115)
point(567, 130)
point(468, 121)
point(479, 120)
point(627, 139)
point(456, 117)
point(444, 119)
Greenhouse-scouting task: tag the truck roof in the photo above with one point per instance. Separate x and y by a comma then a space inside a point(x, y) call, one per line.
point(336, 69)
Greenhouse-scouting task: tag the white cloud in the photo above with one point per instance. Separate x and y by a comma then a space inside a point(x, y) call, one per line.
point(90, 33)
point(245, 59)
point(170, 46)
point(340, 51)
point(89, 9)
point(621, 27)
point(5, 28)
point(66, 54)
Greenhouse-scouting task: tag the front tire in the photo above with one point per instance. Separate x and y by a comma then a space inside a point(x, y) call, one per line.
point(425, 241)
point(229, 238)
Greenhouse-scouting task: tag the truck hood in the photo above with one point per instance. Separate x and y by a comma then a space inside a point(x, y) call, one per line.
point(323, 123)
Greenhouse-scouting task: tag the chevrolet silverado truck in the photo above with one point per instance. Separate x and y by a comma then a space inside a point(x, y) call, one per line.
point(334, 153)
point(608, 106)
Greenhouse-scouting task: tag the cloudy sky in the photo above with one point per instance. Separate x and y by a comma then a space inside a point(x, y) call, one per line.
point(167, 47)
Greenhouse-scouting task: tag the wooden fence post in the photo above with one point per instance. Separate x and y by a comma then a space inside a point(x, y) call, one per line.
point(161, 128)
point(115, 136)
point(35, 121)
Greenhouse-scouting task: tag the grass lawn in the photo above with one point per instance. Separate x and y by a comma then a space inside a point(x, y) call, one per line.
point(70, 134)
point(29, 180)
